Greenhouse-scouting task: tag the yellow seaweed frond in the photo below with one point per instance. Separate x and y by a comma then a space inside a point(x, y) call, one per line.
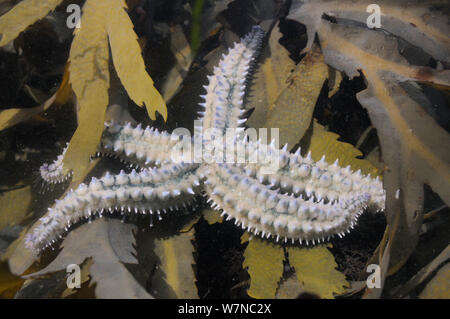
point(89, 76)
point(15, 205)
point(316, 270)
point(285, 94)
point(23, 15)
point(264, 261)
point(176, 260)
point(128, 61)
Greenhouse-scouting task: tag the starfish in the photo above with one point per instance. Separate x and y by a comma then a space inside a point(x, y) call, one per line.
point(299, 200)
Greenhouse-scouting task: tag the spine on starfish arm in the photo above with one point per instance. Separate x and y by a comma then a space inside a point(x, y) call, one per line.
point(266, 212)
point(152, 191)
point(223, 101)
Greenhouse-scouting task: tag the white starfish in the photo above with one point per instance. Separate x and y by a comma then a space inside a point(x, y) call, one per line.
point(300, 200)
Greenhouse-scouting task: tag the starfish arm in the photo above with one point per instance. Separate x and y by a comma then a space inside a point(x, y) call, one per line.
point(223, 101)
point(295, 174)
point(146, 192)
point(136, 146)
point(53, 173)
point(142, 147)
point(266, 212)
